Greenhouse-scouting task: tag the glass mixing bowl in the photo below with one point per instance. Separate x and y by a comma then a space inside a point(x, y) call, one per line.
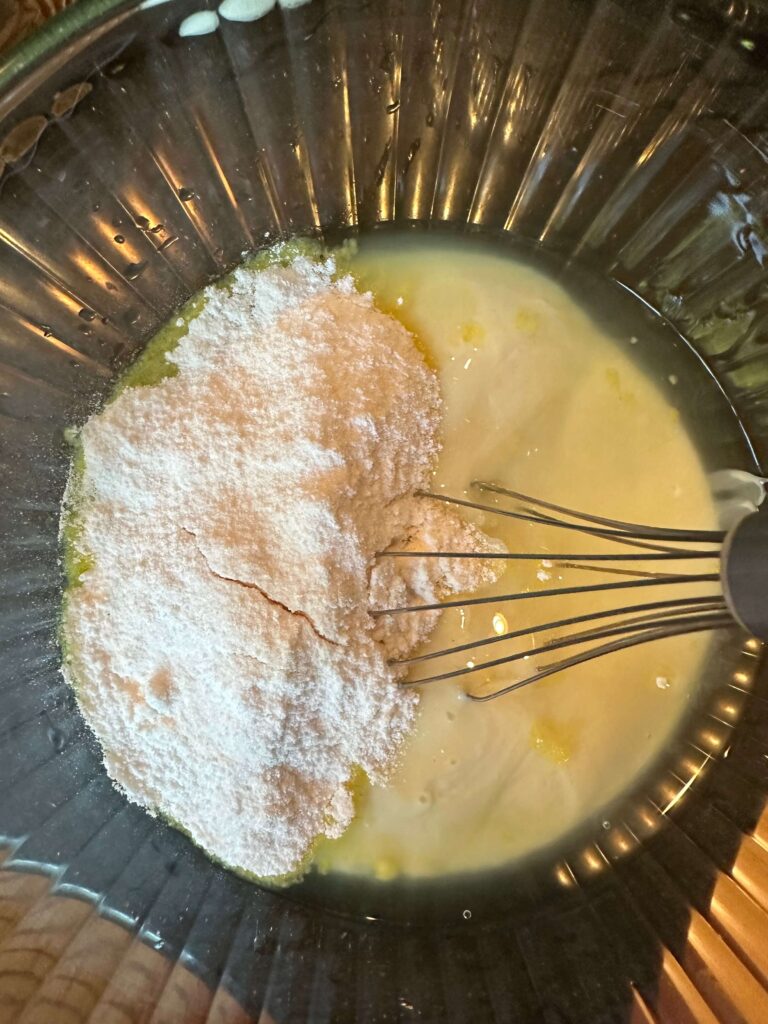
point(143, 149)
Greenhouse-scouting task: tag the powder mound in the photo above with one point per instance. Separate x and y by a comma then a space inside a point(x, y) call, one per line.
point(221, 642)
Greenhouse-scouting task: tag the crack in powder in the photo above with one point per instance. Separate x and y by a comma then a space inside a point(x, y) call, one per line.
point(265, 595)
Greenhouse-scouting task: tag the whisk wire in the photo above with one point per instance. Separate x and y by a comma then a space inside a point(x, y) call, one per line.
point(675, 606)
point(629, 529)
point(527, 595)
point(687, 623)
point(528, 556)
point(660, 633)
point(608, 630)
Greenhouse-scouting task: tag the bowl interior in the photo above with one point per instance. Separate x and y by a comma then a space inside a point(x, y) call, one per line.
point(143, 150)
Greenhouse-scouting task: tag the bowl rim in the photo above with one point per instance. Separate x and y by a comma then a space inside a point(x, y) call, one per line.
point(26, 65)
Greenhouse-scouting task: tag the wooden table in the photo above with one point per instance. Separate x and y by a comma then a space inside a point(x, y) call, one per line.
point(61, 963)
point(20, 17)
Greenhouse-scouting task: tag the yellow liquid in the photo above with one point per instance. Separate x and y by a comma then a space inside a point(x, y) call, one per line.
point(538, 397)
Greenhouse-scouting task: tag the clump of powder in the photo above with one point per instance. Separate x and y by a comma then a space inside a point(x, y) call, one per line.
point(220, 641)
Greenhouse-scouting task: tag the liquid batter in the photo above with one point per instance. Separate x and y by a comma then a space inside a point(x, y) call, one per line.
point(541, 399)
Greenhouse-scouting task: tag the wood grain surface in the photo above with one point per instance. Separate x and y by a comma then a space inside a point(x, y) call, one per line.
point(61, 963)
point(20, 17)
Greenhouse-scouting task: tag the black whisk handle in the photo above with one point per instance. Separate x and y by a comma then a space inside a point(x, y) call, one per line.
point(744, 573)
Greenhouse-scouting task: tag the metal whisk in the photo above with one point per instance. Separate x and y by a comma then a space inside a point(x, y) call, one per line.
point(736, 563)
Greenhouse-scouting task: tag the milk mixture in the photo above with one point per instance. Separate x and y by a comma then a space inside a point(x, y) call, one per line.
point(538, 398)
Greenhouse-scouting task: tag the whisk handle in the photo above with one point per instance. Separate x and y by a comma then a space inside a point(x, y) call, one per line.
point(744, 573)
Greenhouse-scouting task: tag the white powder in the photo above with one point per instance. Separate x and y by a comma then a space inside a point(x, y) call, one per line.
point(221, 643)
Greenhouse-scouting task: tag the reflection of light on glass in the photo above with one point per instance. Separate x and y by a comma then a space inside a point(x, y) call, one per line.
point(652, 147)
point(689, 767)
point(683, 790)
point(210, 150)
point(90, 268)
point(622, 844)
point(80, 357)
point(564, 876)
point(741, 678)
point(752, 645)
point(649, 820)
point(710, 739)
point(49, 336)
point(68, 301)
point(127, 251)
point(593, 862)
point(499, 624)
point(139, 206)
point(667, 793)
point(516, 106)
point(349, 176)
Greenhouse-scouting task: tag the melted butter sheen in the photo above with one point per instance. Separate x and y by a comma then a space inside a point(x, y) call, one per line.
point(537, 396)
